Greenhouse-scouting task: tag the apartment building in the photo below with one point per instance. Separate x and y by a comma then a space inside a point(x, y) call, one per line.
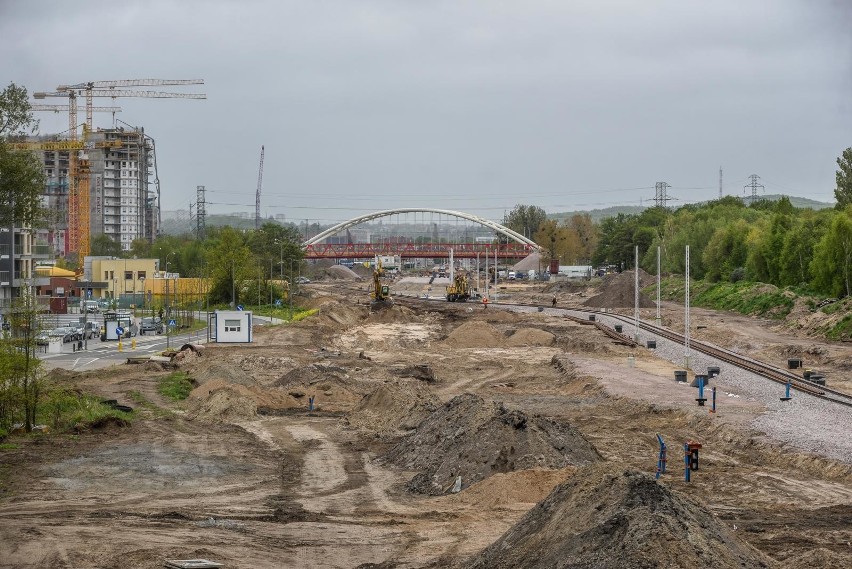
point(18, 257)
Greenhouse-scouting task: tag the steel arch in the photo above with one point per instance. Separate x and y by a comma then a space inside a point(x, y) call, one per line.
point(503, 230)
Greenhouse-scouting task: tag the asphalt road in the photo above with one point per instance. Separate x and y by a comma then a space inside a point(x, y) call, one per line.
point(104, 354)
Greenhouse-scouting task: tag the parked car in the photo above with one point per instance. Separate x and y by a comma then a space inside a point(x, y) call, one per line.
point(67, 334)
point(303, 280)
point(79, 331)
point(42, 338)
point(154, 325)
point(93, 329)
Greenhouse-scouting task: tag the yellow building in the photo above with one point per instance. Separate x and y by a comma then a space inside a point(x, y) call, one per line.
point(138, 278)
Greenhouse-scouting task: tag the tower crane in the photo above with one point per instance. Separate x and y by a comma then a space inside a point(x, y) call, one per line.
point(97, 89)
point(78, 201)
point(78, 170)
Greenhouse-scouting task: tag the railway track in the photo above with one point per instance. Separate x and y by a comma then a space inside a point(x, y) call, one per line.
point(762, 369)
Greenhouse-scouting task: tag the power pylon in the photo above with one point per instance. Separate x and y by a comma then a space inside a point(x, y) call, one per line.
point(753, 185)
point(200, 213)
point(661, 197)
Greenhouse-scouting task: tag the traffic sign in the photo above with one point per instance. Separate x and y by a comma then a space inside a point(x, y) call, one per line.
point(240, 307)
point(119, 331)
point(172, 322)
point(278, 302)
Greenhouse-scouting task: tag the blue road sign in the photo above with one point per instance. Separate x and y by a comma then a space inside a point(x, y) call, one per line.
point(278, 302)
point(172, 323)
point(240, 307)
point(119, 331)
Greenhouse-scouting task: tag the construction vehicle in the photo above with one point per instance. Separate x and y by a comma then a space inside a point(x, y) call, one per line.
point(380, 296)
point(459, 290)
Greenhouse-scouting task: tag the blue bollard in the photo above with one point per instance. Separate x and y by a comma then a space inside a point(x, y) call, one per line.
point(310, 403)
point(714, 401)
point(786, 392)
point(661, 461)
point(701, 399)
point(686, 462)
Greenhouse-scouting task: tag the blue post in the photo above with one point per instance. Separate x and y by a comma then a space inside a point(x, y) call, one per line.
point(311, 403)
point(714, 400)
point(661, 461)
point(686, 462)
point(786, 392)
point(701, 399)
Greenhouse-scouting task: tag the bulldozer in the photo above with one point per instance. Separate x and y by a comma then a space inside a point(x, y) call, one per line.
point(380, 294)
point(459, 290)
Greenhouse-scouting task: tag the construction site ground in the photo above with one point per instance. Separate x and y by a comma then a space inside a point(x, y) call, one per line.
point(526, 408)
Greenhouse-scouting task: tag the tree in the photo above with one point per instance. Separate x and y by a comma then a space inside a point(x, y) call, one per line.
point(20, 369)
point(105, 246)
point(525, 219)
point(231, 265)
point(843, 191)
point(21, 175)
point(832, 262)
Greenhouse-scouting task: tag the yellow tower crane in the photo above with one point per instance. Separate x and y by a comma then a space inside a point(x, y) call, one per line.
point(79, 239)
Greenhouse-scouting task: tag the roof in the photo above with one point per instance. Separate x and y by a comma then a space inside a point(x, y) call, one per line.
point(54, 272)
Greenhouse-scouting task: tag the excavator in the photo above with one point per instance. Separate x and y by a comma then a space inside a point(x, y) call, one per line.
point(459, 290)
point(380, 295)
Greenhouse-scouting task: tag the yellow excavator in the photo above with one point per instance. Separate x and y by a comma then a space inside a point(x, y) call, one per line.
point(459, 290)
point(380, 295)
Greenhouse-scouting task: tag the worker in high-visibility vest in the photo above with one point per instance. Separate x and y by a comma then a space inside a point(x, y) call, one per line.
point(484, 302)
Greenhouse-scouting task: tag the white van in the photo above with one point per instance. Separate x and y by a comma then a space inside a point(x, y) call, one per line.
point(90, 306)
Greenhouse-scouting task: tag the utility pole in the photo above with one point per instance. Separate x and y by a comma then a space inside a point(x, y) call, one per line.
point(661, 197)
point(753, 185)
point(257, 195)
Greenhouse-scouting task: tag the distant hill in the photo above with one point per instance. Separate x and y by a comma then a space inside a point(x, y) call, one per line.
point(599, 214)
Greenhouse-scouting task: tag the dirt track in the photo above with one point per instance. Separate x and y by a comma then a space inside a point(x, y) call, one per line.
point(243, 474)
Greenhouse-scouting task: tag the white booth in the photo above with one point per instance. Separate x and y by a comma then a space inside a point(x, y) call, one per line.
point(232, 326)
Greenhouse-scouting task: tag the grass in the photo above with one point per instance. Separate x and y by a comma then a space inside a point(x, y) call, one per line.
point(141, 401)
point(69, 410)
point(842, 330)
point(8, 446)
point(176, 386)
point(750, 298)
point(302, 314)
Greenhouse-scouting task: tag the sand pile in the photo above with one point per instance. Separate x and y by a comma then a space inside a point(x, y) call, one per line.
point(531, 262)
point(530, 337)
point(339, 272)
point(268, 363)
point(473, 438)
point(327, 384)
point(474, 335)
point(335, 314)
point(617, 291)
point(394, 407)
point(603, 517)
point(514, 489)
point(222, 404)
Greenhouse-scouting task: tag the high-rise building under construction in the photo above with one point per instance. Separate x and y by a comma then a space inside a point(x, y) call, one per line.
point(123, 205)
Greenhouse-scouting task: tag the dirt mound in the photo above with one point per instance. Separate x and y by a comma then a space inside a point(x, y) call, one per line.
point(339, 272)
point(234, 402)
point(817, 559)
point(474, 335)
point(512, 488)
point(336, 315)
point(394, 407)
point(617, 291)
point(473, 438)
point(227, 372)
point(603, 517)
point(531, 337)
point(270, 363)
point(531, 262)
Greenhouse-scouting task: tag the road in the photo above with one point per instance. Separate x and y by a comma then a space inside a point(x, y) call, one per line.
point(104, 354)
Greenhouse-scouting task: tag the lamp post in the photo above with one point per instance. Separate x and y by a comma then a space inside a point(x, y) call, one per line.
point(143, 295)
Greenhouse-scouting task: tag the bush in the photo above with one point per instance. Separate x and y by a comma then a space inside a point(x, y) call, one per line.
point(738, 274)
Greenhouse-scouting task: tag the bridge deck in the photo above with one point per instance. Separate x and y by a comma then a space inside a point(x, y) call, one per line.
point(417, 250)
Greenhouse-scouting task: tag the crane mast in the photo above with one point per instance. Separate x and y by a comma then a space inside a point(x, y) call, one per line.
point(257, 195)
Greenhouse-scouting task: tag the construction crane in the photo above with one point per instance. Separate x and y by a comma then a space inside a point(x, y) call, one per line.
point(98, 89)
point(78, 169)
point(78, 201)
point(257, 196)
point(60, 108)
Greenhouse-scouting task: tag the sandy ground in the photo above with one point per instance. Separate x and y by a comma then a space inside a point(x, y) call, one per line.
point(242, 473)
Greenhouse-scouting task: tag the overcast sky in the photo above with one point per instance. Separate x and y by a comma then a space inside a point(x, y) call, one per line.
point(475, 106)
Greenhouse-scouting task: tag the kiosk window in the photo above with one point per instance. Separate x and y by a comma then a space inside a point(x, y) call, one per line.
point(232, 325)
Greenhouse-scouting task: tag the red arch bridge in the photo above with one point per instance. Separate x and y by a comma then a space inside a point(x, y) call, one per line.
point(517, 245)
